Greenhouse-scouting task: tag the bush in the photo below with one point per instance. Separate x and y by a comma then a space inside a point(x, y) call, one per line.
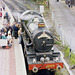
point(72, 59)
point(66, 51)
point(34, 0)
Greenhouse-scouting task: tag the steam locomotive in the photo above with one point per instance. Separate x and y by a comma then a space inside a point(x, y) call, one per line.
point(38, 44)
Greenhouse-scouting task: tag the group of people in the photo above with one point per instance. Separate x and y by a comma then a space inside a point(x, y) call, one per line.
point(9, 32)
point(6, 33)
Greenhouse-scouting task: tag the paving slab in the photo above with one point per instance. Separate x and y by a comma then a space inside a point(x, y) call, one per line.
point(7, 61)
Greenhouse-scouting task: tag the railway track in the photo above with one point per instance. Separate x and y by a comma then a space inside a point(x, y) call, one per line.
point(8, 4)
point(15, 7)
point(22, 7)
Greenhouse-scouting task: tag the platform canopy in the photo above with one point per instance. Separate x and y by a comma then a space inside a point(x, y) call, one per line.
point(30, 14)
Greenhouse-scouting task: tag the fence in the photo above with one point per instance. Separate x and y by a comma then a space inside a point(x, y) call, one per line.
point(58, 26)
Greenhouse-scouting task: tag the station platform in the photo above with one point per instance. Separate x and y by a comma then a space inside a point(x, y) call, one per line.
point(11, 60)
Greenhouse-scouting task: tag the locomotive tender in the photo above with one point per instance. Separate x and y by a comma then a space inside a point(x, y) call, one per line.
point(39, 43)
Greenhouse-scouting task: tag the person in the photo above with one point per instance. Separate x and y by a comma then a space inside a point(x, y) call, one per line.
point(69, 3)
point(4, 22)
point(8, 28)
point(0, 35)
point(0, 14)
point(18, 25)
point(3, 6)
point(6, 16)
point(19, 34)
point(13, 26)
point(9, 40)
point(16, 31)
point(2, 30)
point(9, 31)
point(5, 31)
point(3, 36)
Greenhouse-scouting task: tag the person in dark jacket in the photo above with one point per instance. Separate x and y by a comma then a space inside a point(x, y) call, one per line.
point(16, 31)
point(8, 28)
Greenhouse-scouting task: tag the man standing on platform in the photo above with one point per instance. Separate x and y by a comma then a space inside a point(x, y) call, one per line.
point(16, 31)
point(69, 3)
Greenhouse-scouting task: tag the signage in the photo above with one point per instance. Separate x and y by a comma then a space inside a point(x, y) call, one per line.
point(50, 66)
point(41, 9)
point(41, 25)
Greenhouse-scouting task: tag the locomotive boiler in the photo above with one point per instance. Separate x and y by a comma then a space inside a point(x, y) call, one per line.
point(39, 44)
